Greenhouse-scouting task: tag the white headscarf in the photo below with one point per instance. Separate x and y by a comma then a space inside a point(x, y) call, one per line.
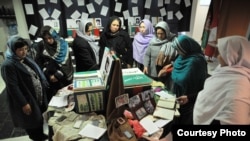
point(226, 94)
point(235, 51)
point(89, 38)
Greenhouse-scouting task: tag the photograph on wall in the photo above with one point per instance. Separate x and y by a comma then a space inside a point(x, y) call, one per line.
point(98, 22)
point(137, 20)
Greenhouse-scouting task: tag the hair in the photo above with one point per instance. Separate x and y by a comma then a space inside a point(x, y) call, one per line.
point(111, 20)
point(161, 29)
point(20, 43)
point(87, 26)
point(45, 30)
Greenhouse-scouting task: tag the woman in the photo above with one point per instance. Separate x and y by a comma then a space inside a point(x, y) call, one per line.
point(162, 37)
point(225, 98)
point(25, 88)
point(188, 75)
point(85, 49)
point(54, 59)
point(141, 42)
point(118, 41)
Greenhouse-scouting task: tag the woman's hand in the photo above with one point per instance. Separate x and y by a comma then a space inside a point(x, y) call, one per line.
point(27, 109)
point(129, 66)
point(164, 70)
point(145, 70)
point(53, 78)
point(182, 100)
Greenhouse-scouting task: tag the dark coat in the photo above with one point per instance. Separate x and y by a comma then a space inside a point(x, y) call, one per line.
point(84, 55)
point(20, 91)
point(63, 73)
point(120, 43)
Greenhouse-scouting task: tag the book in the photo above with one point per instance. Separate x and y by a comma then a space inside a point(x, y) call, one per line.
point(108, 62)
point(96, 79)
point(164, 113)
point(135, 77)
point(166, 108)
point(86, 74)
point(89, 101)
point(88, 83)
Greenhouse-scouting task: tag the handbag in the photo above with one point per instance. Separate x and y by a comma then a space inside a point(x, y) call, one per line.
point(120, 130)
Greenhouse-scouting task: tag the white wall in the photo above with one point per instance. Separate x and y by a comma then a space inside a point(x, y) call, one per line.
point(21, 20)
point(198, 17)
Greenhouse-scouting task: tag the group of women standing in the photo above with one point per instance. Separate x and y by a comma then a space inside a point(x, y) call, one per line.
point(159, 53)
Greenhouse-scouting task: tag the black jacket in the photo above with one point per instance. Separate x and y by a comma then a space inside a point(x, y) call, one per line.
point(84, 55)
point(120, 43)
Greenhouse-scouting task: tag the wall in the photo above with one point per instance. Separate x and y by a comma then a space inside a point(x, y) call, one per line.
point(198, 16)
point(3, 25)
point(20, 20)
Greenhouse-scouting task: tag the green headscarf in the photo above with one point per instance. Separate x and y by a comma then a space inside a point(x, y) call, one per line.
point(190, 67)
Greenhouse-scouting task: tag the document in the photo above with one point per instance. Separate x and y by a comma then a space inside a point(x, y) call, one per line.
point(92, 131)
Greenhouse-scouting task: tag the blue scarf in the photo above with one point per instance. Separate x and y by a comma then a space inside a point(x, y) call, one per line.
point(10, 54)
point(61, 51)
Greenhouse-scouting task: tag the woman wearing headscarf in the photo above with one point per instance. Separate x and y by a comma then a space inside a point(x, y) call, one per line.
point(188, 75)
point(161, 38)
point(118, 41)
point(141, 42)
point(85, 48)
point(225, 98)
point(54, 59)
point(25, 88)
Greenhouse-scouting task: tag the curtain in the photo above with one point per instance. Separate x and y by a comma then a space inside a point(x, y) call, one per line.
point(224, 18)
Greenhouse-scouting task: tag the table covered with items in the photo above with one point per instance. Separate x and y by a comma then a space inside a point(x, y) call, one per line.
point(111, 104)
point(140, 116)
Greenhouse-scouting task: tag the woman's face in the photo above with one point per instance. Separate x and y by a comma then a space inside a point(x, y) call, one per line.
point(142, 28)
point(89, 31)
point(160, 34)
point(22, 52)
point(48, 39)
point(114, 27)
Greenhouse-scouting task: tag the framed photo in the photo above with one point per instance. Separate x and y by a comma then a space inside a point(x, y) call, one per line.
point(140, 113)
point(142, 104)
point(121, 100)
point(137, 20)
point(149, 107)
point(134, 101)
point(160, 19)
point(98, 22)
point(90, 101)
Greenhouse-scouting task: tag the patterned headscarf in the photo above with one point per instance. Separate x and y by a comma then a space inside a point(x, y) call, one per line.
point(59, 51)
point(10, 54)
